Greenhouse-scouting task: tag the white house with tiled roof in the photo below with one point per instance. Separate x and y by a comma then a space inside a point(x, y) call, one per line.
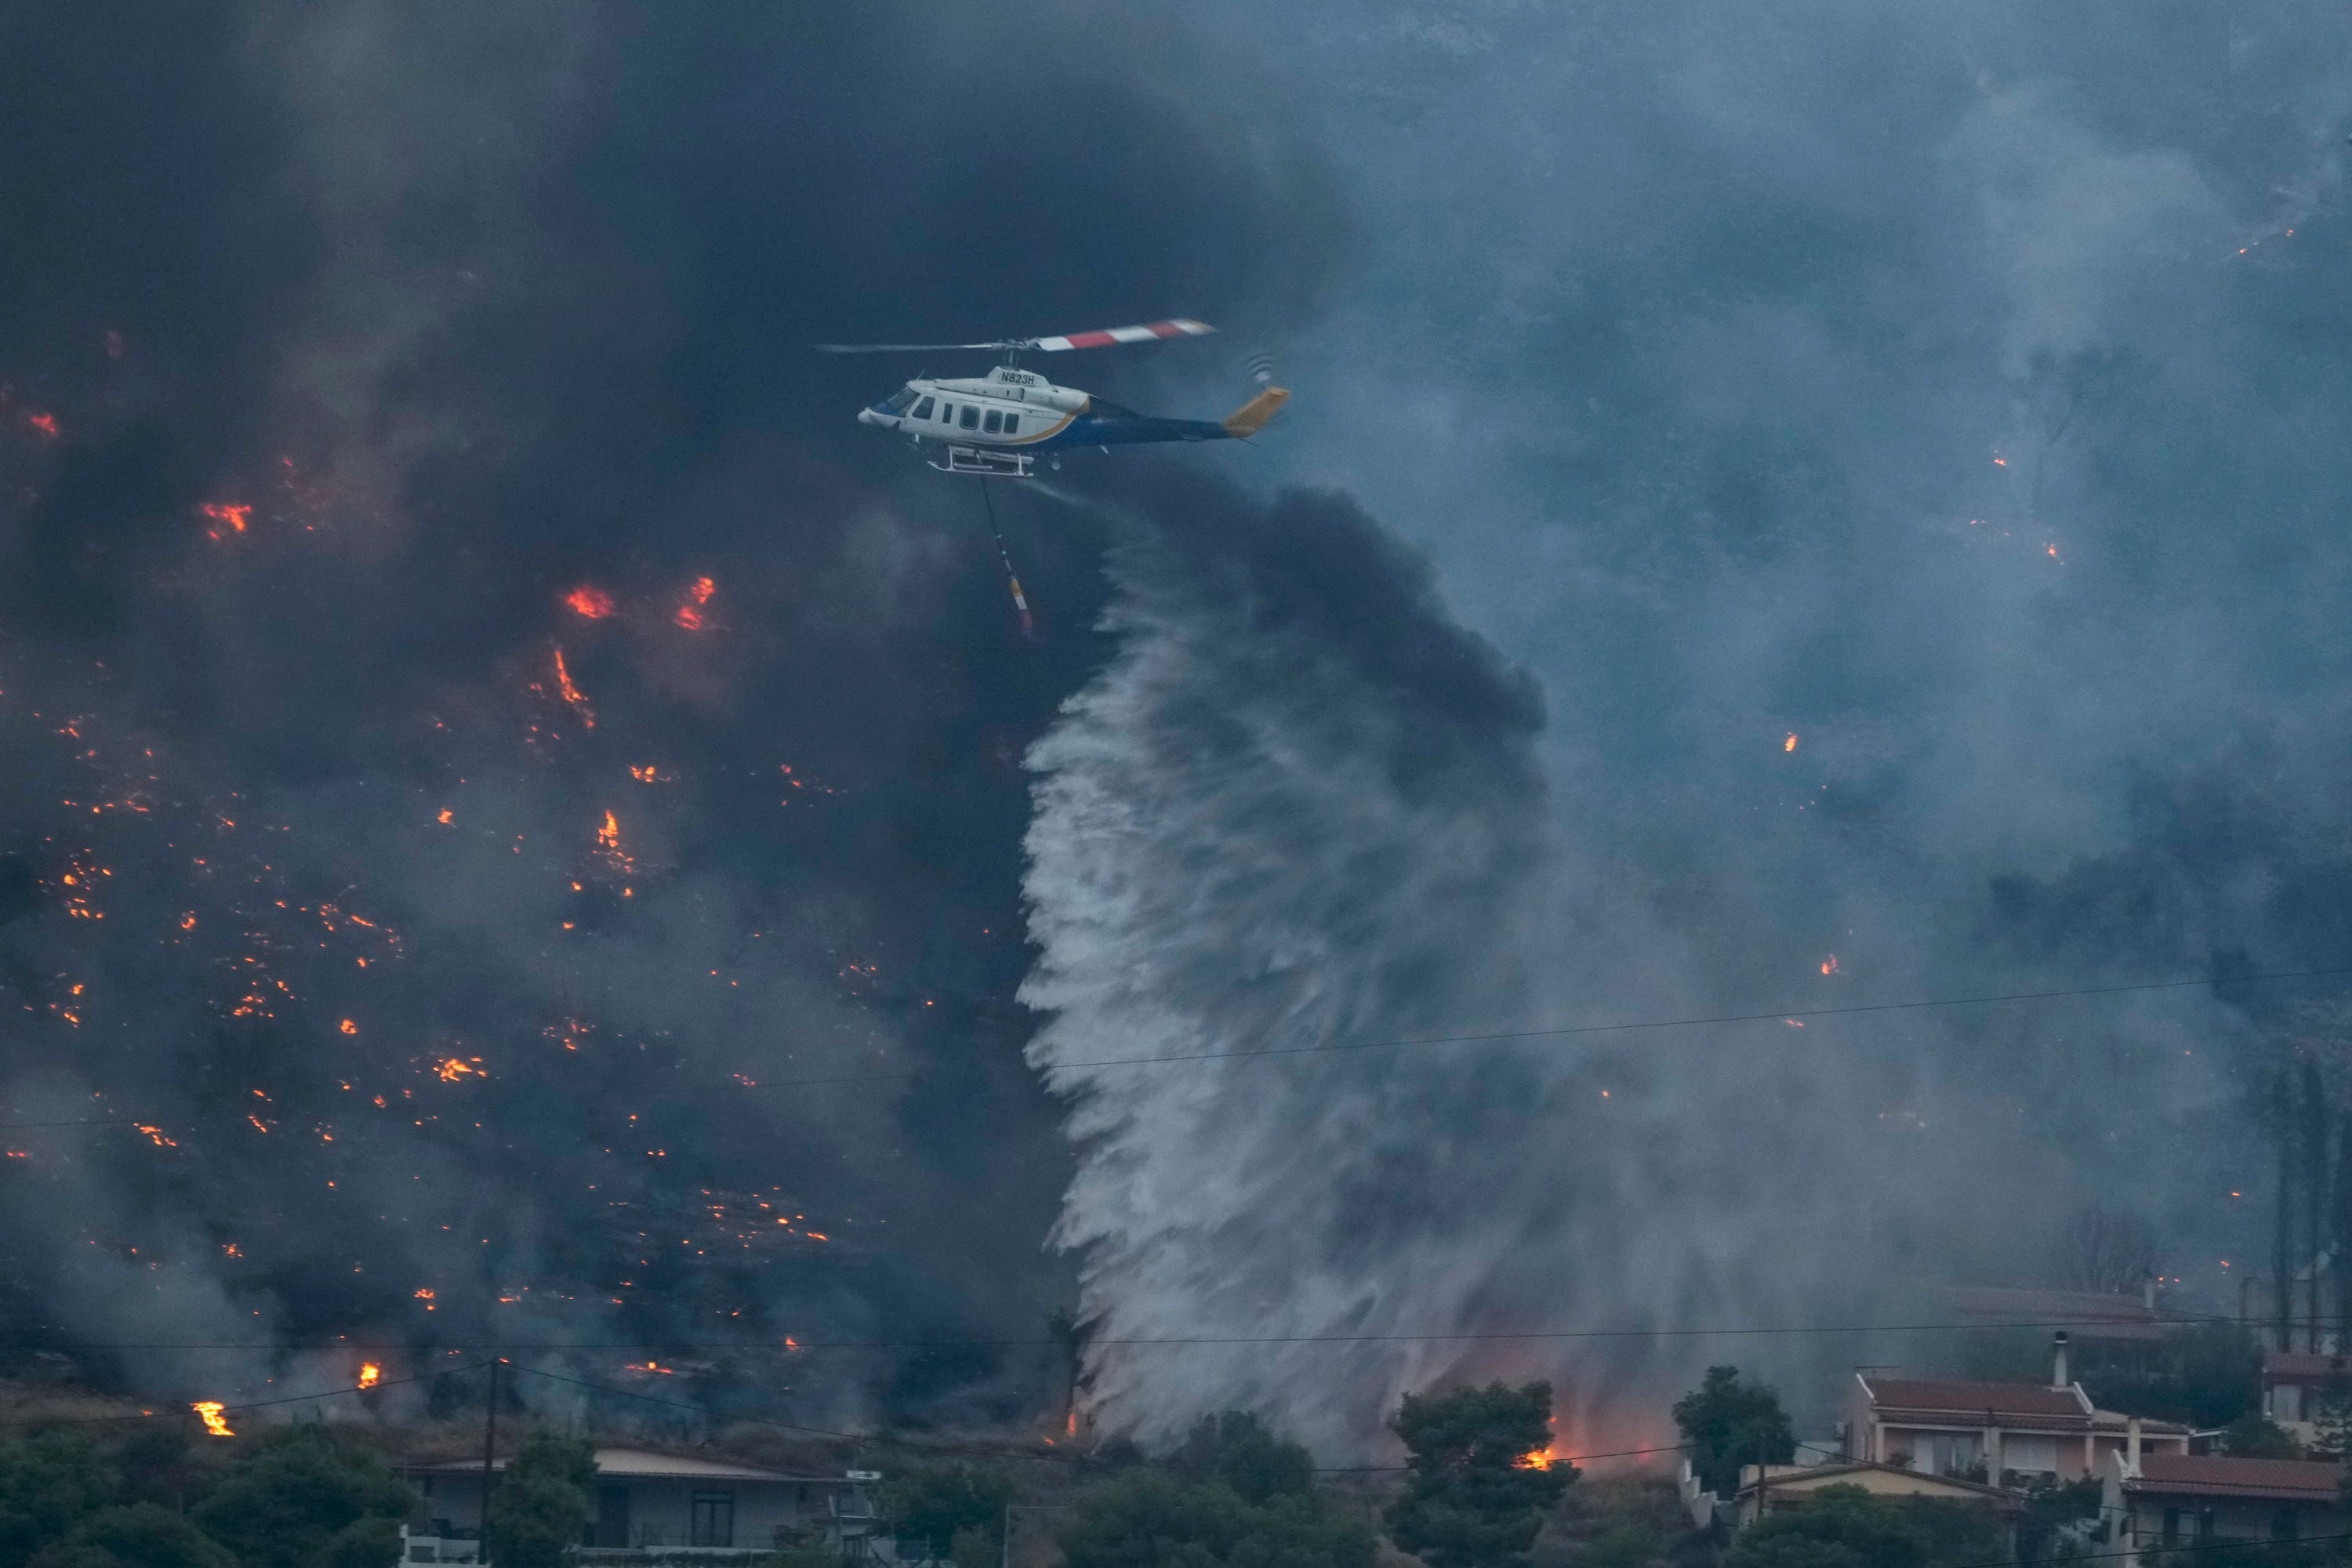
point(2180, 1501)
point(2006, 1434)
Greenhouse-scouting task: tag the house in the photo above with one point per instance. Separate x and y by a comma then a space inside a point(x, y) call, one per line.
point(2130, 1335)
point(2297, 1389)
point(2169, 1500)
point(2006, 1434)
point(644, 1499)
point(1785, 1487)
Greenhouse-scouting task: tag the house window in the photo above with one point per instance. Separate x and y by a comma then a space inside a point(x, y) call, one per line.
point(2204, 1524)
point(1946, 1453)
point(969, 417)
point(923, 409)
point(2172, 1527)
point(996, 422)
point(2287, 1402)
point(2021, 1452)
point(712, 1522)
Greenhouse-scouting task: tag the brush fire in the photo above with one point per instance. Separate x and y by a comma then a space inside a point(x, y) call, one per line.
point(214, 1414)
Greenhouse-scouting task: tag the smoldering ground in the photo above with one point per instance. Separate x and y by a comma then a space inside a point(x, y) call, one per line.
point(480, 715)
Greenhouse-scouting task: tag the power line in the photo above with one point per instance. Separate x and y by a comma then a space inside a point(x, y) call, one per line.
point(43, 1423)
point(2181, 1321)
point(1565, 1031)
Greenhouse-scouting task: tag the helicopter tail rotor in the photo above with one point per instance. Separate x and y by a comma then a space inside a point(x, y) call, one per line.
point(1254, 416)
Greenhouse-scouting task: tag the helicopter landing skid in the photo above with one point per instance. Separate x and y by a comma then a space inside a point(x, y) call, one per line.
point(986, 462)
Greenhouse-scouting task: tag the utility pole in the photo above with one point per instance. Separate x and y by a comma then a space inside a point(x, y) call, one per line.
point(490, 1453)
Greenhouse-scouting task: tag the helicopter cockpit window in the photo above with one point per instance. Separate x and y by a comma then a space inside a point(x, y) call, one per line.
point(969, 417)
point(923, 409)
point(901, 400)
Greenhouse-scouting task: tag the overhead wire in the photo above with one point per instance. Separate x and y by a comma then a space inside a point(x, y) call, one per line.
point(1786, 1015)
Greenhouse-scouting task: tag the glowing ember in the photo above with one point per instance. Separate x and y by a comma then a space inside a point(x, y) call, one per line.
point(155, 1135)
point(425, 1293)
point(452, 1069)
point(651, 1368)
point(215, 1420)
point(347, 1027)
point(593, 604)
point(225, 515)
point(46, 423)
point(444, 817)
point(572, 693)
point(370, 1374)
point(1790, 743)
point(690, 614)
point(1829, 964)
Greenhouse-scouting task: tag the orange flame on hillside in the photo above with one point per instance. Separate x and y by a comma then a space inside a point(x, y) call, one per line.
point(370, 1374)
point(232, 516)
point(46, 423)
point(592, 603)
point(572, 693)
point(690, 614)
point(1829, 964)
point(1790, 743)
point(452, 1069)
point(214, 1414)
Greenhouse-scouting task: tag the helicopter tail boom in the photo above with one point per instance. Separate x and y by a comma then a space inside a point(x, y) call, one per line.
point(1254, 415)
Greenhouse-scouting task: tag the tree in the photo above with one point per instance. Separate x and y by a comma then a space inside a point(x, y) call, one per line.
point(1241, 1451)
point(1150, 1520)
point(143, 1535)
point(1479, 1480)
point(46, 1484)
point(302, 1500)
point(1726, 1424)
point(939, 1507)
point(2105, 1252)
point(541, 1505)
point(2255, 1435)
point(1845, 1527)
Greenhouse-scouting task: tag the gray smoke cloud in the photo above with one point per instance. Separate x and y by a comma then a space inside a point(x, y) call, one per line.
point(1899, 446)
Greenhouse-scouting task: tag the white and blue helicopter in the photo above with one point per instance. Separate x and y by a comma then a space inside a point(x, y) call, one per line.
point(994, 426)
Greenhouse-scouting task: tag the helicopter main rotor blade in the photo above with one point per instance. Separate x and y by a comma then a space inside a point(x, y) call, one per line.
point(1151, 331)
point(905, 348)
point(1109, 337)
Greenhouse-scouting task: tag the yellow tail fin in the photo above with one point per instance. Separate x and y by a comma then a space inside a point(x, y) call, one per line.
point(1251, 417)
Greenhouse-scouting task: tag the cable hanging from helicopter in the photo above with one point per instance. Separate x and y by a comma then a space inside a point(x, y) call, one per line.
point(995, 426)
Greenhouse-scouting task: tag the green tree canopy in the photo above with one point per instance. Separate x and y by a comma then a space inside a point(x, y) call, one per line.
point(1150, 1520)
point(1248, 1456)
point(2255, 1435)
point(1845, 1527)
point(1726, 1423)
point(539, 1506)
point(46, 1484)
point(302, 1500)
point(143, 1535)
point(931, 1508)
point(1475, 1501)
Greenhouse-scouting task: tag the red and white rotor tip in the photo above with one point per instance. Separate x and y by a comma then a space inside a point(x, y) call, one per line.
point(1148, 332)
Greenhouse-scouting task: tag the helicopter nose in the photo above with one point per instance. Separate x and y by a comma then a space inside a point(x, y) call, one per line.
point(868, 417)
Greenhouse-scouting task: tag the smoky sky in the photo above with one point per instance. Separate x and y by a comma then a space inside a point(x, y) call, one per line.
point(480, 713)
point(1781, 509)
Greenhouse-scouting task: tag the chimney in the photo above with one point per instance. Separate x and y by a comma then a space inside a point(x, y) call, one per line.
point(2131, 1445)
point(2058, 1371)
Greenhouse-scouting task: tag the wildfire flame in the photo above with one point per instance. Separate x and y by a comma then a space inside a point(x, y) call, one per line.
point(690, 614)
point(572, 693)
point(1829, 964)
point(370, 1374)
point(590, 604)
point(46, 423)
point(452, 1069)
point(232, 516)
point(212, 1413)
point(1790, 743)
point(1542, 1458)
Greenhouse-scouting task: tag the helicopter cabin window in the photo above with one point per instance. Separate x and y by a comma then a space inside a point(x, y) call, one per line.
point(993, 423)
point(968, 418)
point(1012, 423)
point(923, 409)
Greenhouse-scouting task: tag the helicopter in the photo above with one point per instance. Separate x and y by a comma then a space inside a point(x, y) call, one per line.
point(994, 426)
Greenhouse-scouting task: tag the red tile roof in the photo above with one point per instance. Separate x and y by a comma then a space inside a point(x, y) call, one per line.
point(1974, 1399)
point(2214, 1475)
